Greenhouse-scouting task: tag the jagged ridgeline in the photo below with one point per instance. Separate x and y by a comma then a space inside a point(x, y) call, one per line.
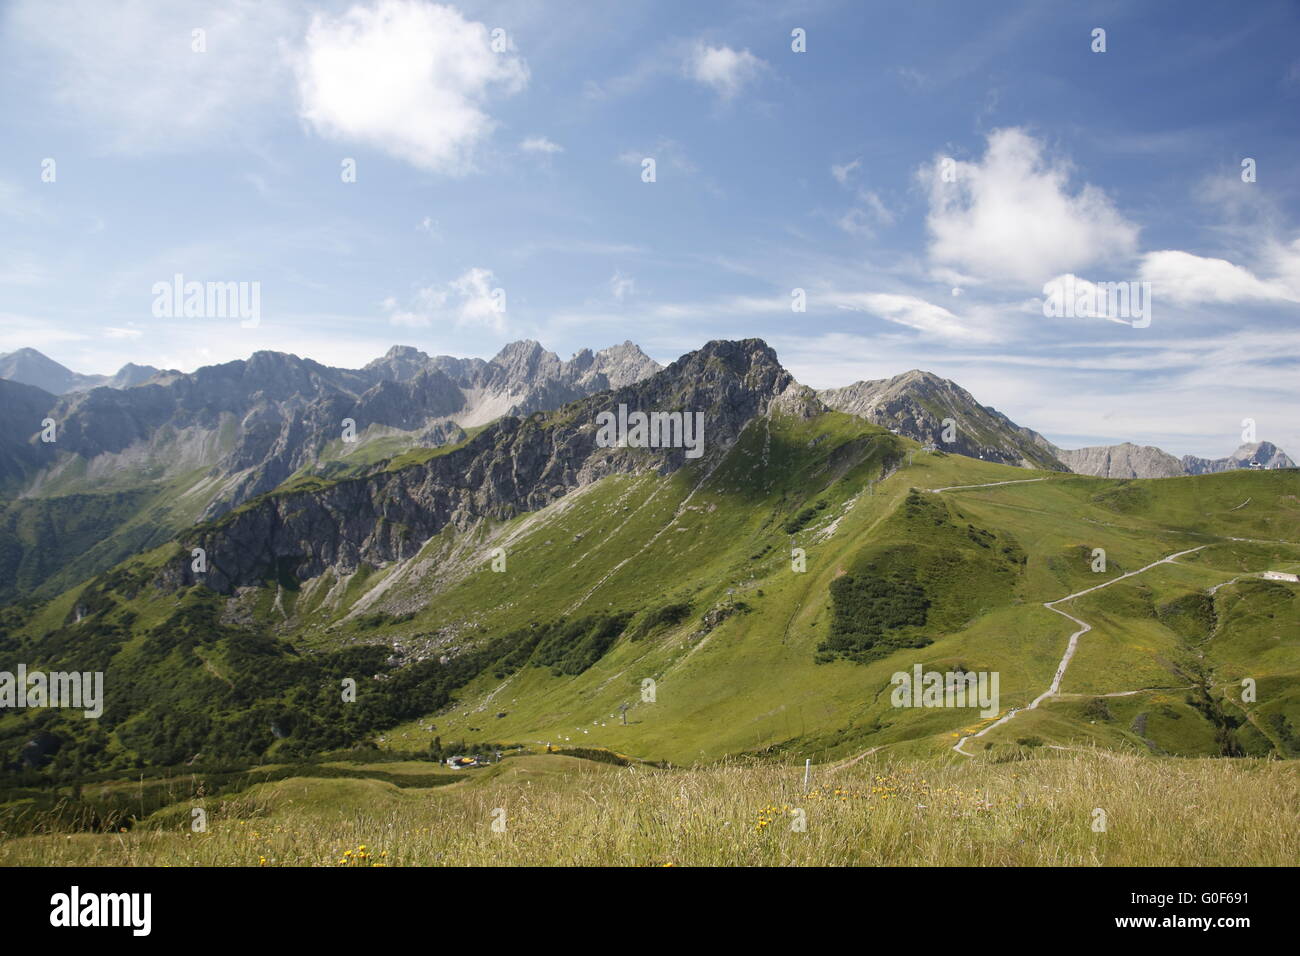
point(154, 451)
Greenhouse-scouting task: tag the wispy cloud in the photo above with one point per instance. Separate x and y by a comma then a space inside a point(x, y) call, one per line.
point(540, 144)
point(621, 285)
point(160, 77)
point(471, 300)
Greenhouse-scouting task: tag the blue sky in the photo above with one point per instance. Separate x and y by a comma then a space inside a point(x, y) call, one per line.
point(521, 170)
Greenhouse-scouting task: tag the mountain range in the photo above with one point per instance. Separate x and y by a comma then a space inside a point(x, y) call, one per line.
point(131, 466)
point(143, 454)
point(1144, 461)
point(524, 377)
point(526, 581)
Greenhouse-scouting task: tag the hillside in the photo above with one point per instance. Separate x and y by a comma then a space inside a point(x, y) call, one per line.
point(525, 585)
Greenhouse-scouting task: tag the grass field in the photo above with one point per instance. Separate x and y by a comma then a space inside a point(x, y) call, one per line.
point(557, 810)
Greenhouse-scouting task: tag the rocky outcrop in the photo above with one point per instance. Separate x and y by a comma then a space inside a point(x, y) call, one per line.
point(512, 466)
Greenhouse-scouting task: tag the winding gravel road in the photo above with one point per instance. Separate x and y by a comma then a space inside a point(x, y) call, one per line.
point(1084, 628)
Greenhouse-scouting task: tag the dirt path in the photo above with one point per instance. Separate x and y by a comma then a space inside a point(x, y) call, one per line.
point(852, 760)
point(989, 484)
point(1084, 628)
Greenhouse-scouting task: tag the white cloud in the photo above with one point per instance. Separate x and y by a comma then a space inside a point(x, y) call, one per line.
point(1284, 261)
point(478, 305)
point(724, 70)
point(407, 77)
point(878, 210)
point(1186, 279)
point(871, 210)
point(1011, 216)
point(540, 144)
point(468, 301)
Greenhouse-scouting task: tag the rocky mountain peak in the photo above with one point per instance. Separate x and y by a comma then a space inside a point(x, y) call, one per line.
point(611, 367)
point(917, 403)
point(523, 358)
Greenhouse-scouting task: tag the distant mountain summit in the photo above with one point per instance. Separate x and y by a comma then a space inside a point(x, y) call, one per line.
point(30, 367)
point(1121, 461)
point(917, 403)
point(1144, 461)
point(407, 398)
point(523, 377)
point(1250, 455)
point(252, 423)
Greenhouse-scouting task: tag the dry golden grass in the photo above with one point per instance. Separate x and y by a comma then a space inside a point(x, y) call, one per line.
point(562, 811)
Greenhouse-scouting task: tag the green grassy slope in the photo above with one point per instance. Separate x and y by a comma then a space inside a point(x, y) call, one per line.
point(690, 581)
point(49, 544)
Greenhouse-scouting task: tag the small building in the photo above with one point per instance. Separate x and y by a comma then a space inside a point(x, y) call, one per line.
point(1280, 576)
